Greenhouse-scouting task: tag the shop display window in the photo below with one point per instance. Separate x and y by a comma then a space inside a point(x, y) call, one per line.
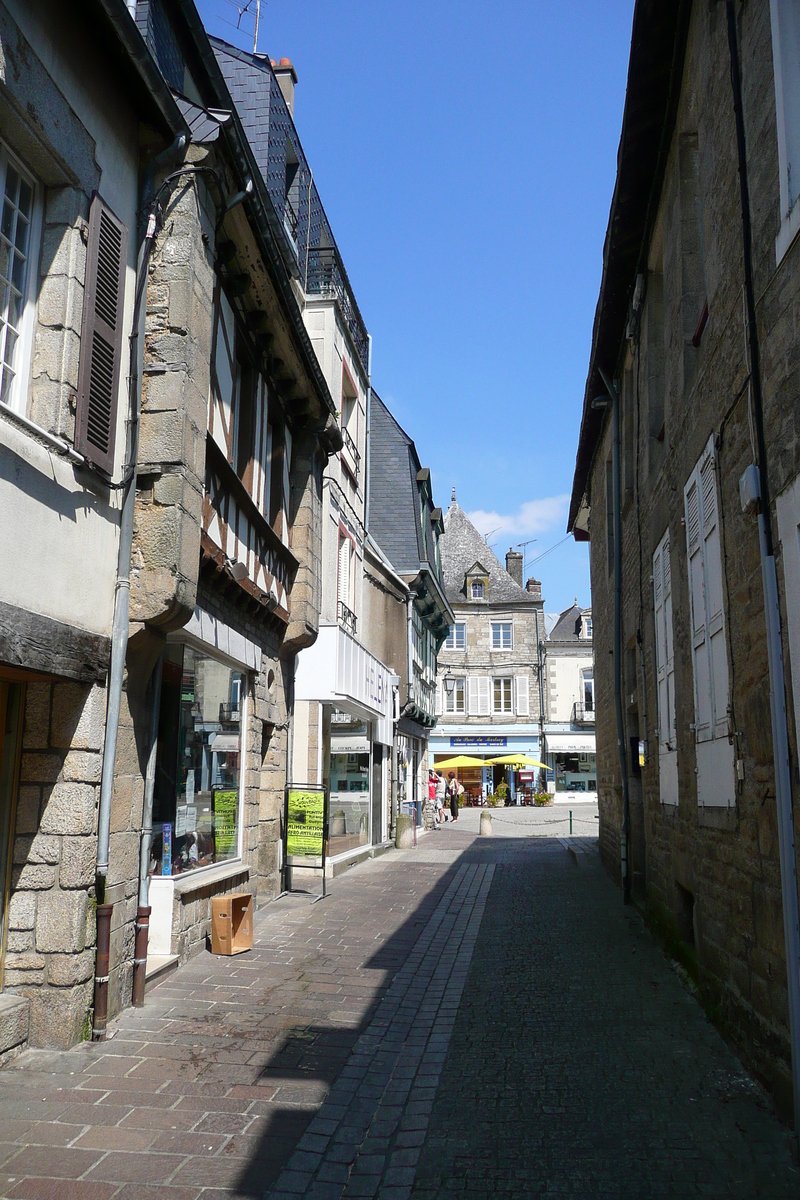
point(349, 814)
point(197, 795)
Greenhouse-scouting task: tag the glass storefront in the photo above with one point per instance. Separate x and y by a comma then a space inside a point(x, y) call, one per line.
point(196, 802)
point(576, 772)
point(349, 819)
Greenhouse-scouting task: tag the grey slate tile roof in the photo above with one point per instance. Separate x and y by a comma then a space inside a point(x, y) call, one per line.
point(394, 494)
point(461, 547)
point(566, 627)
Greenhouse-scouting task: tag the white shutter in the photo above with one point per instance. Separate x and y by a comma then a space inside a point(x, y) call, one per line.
point(287, 483)
point(343, 592)
point(474, 702)
point(438, 698)
point(715, 754)
point(665, 673)
point(522, 696)
point(484, 688)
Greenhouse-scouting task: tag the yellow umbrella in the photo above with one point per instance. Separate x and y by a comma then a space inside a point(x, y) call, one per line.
point(461, 760)
point(516, 760)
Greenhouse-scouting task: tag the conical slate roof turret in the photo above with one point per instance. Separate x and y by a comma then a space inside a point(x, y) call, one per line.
point(462, 547)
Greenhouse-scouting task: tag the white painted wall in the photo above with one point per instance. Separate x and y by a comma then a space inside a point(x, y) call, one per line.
point(565, 682)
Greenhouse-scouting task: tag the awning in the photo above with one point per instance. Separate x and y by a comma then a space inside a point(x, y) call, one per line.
point(570, 743)
point(225, 743)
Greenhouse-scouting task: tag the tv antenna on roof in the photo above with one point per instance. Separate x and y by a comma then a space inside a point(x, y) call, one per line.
point(486, 536)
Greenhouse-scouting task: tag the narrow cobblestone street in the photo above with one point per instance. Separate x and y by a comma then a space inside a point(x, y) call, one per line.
point(474, 1017)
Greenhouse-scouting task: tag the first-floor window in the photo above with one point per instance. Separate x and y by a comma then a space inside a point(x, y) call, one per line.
point(197, 797)
point(502, 635)
point(457, 637)
point(17, 230)
point(588, 691)
point(502, 695)
point(454, 699)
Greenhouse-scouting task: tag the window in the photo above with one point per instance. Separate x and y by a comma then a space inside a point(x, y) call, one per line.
point(587, 627)
point(715, 783)
point(477, 590)
point(18, 237)
point(785, 16)
point(344, 593)
point(588, 690)
point(197, 802)
point(455, 702)
point(665, 673)
point(457, 637)
point(501, 695)
point(501, 635)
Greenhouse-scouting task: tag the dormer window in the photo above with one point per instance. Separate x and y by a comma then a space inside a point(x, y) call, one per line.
point(477, 590)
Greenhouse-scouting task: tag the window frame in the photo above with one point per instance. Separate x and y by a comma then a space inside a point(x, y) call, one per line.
point(587, 676)
point(20, 388)
point(501, 626)
point(506, 694)
point(459, 691)
point(451, 641)
point(479, 584)
point(786, 74)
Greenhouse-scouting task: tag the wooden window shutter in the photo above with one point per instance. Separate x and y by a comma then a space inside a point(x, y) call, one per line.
point(101, 337)
point(474, 706)
point(523, 704)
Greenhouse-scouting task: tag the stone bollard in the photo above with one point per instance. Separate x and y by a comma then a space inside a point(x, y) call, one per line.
point(404, 836)
point(486, 824)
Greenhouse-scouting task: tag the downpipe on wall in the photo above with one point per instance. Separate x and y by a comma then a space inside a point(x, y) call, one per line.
point(143, 910)
point(624, 833)
point(120, 626)
point(772, 615)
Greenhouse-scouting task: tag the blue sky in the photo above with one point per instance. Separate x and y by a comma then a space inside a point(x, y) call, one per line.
point(465, 153)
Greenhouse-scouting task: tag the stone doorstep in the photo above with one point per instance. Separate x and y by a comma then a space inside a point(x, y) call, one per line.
point(14, 1022)
point(332, 869)
point(158, 966)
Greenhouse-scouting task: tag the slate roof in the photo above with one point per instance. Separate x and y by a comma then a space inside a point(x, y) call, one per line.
point(394, 494)
point(566, 627)
point(461, 547)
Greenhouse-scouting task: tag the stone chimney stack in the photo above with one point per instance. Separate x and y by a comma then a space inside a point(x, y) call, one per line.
point(287, 79)
point(535, 588)
point(514, 565)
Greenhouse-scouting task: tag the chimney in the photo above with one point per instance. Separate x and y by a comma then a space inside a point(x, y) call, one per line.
point(514, 565)
point(287, 78)
point(535, 588)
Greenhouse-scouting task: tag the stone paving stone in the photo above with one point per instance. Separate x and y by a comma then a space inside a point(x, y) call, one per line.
point(483, 1029)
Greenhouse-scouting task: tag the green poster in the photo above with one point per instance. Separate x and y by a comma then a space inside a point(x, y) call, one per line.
point(305, 823)
point(226, 804)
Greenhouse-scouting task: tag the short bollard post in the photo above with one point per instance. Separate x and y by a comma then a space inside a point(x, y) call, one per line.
point(570, 822)
point(486, 824)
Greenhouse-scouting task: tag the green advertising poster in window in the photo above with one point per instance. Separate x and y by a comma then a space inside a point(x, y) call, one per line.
point(305, 822)
point(226, 803)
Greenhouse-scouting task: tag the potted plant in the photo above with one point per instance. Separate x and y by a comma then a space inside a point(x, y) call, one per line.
point(542, 799)
point(501, 794)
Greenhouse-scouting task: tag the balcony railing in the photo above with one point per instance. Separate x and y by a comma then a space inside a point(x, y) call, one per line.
point(326, 277)
point(291, 220)
point(347, 619)
point(582, 715)
point(352, 450)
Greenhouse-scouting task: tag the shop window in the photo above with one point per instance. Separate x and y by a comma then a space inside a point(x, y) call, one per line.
point(785, 18)
point(349, 821)
point(502, 689)
point(457, 637)
point(502, 635)
point(197, 798)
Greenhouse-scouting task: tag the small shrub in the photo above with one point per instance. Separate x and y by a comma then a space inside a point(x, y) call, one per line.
point(542, 799)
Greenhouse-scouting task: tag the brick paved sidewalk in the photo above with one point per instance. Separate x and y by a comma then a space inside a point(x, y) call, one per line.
point(340, 1057)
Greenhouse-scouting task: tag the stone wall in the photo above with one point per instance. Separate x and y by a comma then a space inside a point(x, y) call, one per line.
point(709, 876)
point(51, 929)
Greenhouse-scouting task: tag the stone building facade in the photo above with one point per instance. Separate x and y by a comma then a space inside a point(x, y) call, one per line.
point(488, 693)
point(676, 506)
point(569, 712)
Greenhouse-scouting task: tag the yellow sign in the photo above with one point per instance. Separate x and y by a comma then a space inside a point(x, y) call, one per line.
point(305, 823)
point(226, 804)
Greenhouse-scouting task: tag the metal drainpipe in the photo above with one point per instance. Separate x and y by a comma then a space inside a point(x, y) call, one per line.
point(772, 615)
point(143, 910)
point(119, 632)
point(367, 434)
point(540, 654)
point(624, 833)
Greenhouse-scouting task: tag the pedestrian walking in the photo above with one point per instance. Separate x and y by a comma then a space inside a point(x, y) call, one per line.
point(441, 792)
point(452, 789)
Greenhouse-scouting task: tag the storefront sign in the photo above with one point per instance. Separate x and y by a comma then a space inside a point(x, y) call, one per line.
point(225, 806)
point(478, 741)
point(305, 822)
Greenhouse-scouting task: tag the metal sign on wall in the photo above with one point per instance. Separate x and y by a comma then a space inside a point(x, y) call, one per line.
point(478, 741)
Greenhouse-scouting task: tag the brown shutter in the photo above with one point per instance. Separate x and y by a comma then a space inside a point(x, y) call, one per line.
point(101, 337)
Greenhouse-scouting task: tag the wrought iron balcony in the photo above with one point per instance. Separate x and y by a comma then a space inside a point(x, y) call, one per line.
point(291, 220)
point(326, 277)
point(346, 618)
point(582, 715)
point(352, 450)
